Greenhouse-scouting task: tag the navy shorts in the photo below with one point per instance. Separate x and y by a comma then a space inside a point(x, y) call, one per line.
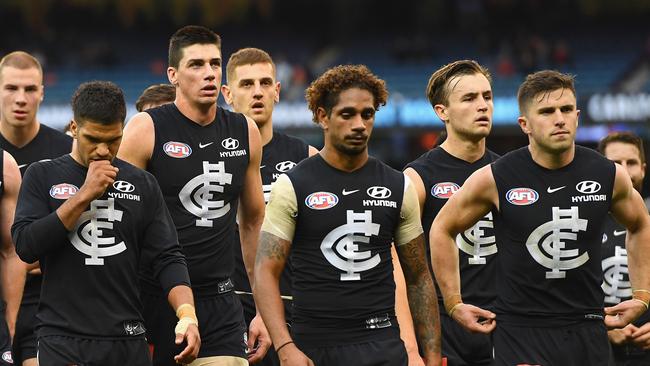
point(64, 350)
point(221, 324)
point(580, 344)
point(24, 346)
point(463, 348)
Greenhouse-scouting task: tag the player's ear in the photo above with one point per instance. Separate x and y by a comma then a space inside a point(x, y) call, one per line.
point(322, 117)
point(523, 124)
point(73, 128)
point(227, 96)
point(171, 75)
point(441, 112)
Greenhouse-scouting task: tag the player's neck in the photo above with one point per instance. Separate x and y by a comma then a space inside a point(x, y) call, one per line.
point(266, 132)
point(469, 151)
point(550, 159)
point(341, 161)
point(19, 136)
point(202, 114)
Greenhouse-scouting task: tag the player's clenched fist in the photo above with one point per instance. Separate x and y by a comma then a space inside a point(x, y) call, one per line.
point(99, 176)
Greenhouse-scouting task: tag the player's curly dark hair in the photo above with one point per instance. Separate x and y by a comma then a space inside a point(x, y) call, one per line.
point(99, 102)
point(324, 92)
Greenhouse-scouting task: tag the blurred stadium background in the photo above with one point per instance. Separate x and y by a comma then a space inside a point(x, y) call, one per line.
point(605, 43)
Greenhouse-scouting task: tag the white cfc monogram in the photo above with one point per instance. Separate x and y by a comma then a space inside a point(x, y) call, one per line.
point(547, 243)
point(475, 243)
point(198, 195)
point(88, 234)
point(616, 282)
point(341, 245)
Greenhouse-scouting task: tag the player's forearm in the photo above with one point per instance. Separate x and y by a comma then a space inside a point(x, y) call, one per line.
point(13, 273)
point(36, 239)
point(266, 292)
point(444, 260)
point(423, 303)
point(249, 235)
point(402, 311)
point(180, 295)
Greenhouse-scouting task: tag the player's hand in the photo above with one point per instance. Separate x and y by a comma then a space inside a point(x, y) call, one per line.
point(624, 313)
point(641, 336)
point(621, 336)
point(100, 175)
point(257, 333)
point(475, 319)
point(290, 355)
point(415, 359)
point(193, 340)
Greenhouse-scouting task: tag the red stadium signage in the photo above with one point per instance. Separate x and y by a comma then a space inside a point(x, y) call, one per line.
point(321, 200)
point(444, 190)
point(177, 150)
point(522, 196)
point(63, 191)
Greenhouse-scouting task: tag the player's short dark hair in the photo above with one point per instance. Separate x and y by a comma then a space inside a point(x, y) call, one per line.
point(99, 102)
point(624, 137)
point(247, 56)
point(156, 94)
point(324, 92)
point(543, 82)
point(188, 36)
point(20, 60)
point(439, 86)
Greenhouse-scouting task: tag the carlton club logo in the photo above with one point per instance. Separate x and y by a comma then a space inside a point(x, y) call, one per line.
point(522, 196)
point(89, 235)
point(230, 143)
point(444, 190)
point(321, 200)
point(547, 243)
point(284, 166)
point(199, 195)
point(616, 280)
point(341, 247)
point(63, 191)
point(476, 243)
point(177, 150)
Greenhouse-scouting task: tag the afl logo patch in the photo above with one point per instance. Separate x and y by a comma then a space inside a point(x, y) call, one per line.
point(321, 200)
point(522, 196)
point(444, 190)
point(177, 150)
point(63, 191)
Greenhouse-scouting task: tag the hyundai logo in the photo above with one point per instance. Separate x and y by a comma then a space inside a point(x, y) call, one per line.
point(123, 186)
point(378, 192)
point(284, 166)
point(588, 187)
point(230, 143)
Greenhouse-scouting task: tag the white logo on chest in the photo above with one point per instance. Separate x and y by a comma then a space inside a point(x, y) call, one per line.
point(547, 242)
point(341, 245)
point(198, 196)
point(616, 282)
point(88, 234)
point(475, 243)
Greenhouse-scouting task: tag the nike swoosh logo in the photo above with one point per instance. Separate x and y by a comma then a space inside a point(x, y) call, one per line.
point(22, 166)
point(619, 233)
point(201, 146)
point(262, 166)
point(551, 190)
point(345, 193)
point(26, 164)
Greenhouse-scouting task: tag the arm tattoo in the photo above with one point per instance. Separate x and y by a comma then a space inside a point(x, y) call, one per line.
point(422, 297)
point(272, 247)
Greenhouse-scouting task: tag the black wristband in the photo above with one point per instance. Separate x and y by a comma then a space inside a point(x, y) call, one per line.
point(284, 344)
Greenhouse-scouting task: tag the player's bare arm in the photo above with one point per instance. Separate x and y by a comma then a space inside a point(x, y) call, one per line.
point(416, 180)
point(403, 313)
point(630, 211)
point(182, 301)
point(12, 269)
point(423, 301)
point(474, 200)
point(138, 140)
point(251, 216)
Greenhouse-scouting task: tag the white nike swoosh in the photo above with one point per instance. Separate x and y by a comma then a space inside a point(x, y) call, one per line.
point(22, 166)
point(619, 233)
point(551, 190)
point(201, 146)
point(345, 193)
point(262, 166)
